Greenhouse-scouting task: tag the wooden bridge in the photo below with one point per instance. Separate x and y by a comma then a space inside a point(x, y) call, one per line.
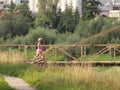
point(78, 52)
point(81, 63)
point(57, 56)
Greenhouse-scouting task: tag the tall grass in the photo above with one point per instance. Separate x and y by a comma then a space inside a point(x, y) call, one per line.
point(13, 57)
point(73, 78)
point(65, 78)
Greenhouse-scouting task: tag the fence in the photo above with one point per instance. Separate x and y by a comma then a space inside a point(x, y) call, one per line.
point(81, 52)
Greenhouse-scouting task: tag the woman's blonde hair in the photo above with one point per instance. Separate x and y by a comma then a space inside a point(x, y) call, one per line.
point(39, 39)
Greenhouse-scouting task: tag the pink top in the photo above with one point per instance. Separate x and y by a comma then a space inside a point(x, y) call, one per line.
point(39, 48)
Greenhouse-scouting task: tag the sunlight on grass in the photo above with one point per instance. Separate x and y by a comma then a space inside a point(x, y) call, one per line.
point(73, 78)
point(13, 57)
point(65, 78)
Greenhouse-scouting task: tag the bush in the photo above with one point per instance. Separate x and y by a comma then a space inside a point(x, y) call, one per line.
point(49, 36)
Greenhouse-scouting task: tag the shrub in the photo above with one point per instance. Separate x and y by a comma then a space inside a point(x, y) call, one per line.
point(49, 36)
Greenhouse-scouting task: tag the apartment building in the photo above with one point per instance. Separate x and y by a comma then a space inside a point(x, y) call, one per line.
point(33, 6)
point(110, 8)
point(16, 1)
point(114, 13)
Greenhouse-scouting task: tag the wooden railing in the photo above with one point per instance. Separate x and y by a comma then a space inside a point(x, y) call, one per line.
point(82, 52)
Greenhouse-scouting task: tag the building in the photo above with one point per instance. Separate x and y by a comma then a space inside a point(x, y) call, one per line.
point(108, 6)
point(114, 13)
point(2, 4)
point(33, 5)
point(3, 1)
point(14, 1)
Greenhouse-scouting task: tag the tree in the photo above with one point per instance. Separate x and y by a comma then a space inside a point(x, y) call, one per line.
point(46, 16)
point(23, 10)
point(12, 25)
point(76, 16)
point(68, 20)
point(52, 17)
point(90, 8)
point(12, 7)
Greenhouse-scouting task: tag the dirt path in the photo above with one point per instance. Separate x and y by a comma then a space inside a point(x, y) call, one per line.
point(17, 83)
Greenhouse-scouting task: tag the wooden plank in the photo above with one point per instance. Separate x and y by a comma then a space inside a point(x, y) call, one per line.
point(82, 63)
point(67, 54)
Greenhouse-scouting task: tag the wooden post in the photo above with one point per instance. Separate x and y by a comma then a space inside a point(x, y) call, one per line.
point(114, 53)
point(55, 53)
point(110, 52)
point(81, 52)
point(9, 49)
point(25, 52)
point(19, 52)
point(9, 54)
point(84, 53)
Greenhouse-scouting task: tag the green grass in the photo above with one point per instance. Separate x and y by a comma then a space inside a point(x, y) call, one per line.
point(62, 57)
point(4, 85)
point(65, 78)
point(50, 56)
point(106, 57)
point(12, 69)
point(72, 78)
point(103, 57)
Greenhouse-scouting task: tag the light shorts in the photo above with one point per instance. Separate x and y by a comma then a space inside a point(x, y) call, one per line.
point(38, 51)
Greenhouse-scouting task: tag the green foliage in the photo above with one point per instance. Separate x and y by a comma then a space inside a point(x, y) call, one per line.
point(76, 16)
point(4, 85)
point(24, 9)
point(68, 20)
point(5, 29)
point(12, 69)
point(90, 9)
point(89, 28)
point(67, 38)
point(13, 25)
point(1, 40)
point(53, 18)
point(20, 25)
point(49, 36)
point(47, 17)
point(65, 78)
point(18, 40)
point(12, 7)
point(40, 20)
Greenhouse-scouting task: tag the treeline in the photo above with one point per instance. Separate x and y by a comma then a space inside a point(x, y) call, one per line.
point(55, 27)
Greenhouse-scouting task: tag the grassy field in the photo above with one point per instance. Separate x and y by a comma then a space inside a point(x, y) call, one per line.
point(65, 78)
point(60, 78)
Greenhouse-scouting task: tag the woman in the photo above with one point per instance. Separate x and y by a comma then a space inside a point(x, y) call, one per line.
point(39, 52)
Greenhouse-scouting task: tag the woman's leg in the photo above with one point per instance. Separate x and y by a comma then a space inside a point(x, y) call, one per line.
point(42, 56)
point(35, 56)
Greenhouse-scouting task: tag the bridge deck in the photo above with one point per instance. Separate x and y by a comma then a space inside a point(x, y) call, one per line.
point(80, 63)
